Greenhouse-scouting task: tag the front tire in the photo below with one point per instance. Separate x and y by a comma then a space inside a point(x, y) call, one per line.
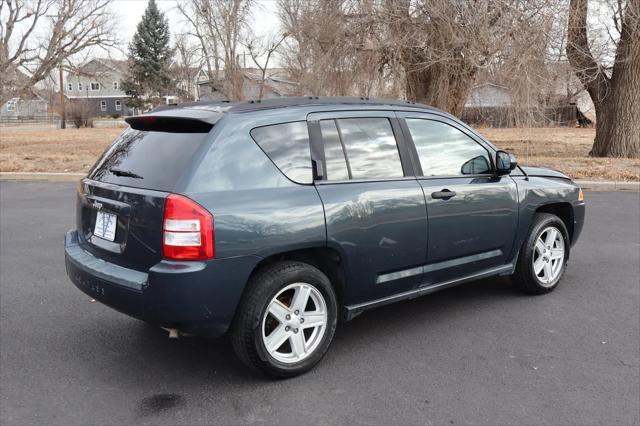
point(286, 320)
point(543, 256)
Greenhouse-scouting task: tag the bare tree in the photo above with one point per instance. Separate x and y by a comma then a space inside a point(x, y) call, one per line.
point(261, 51)
point(37, 36)
point(615, 92)
point(187, 61)
point(208, 45)
point(223, 22)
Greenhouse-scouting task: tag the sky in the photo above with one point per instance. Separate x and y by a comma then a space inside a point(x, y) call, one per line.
point(130, 13)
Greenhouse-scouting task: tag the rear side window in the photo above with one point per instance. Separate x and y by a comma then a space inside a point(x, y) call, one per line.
point(287, 145)
point(147, 159)
point(337, 168)
point(369, 145)
point(446, 151)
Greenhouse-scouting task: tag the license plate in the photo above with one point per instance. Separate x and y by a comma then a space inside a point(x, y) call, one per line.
point(105, 225)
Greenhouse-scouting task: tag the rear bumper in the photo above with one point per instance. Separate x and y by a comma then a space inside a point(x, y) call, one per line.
point(194, 297)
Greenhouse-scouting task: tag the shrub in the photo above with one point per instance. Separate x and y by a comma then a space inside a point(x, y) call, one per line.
point(79, 113)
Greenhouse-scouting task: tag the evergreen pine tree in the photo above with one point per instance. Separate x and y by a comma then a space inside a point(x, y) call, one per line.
point(149, 58)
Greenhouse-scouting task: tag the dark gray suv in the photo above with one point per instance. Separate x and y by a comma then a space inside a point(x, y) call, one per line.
point(274, 219)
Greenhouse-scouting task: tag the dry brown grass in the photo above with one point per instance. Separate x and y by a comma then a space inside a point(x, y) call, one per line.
point(52, 150)
point(565, 149)
point(75, 150)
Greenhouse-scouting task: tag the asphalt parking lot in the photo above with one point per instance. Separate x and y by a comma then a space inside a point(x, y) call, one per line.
point(479, 353)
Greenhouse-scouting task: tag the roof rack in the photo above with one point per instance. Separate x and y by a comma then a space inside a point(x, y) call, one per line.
point(253, 105)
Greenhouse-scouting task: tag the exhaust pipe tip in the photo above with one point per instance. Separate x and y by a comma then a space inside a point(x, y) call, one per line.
point(174, 333)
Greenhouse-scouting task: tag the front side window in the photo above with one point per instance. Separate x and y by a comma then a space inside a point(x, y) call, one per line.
point(103, 105)
point(11, 106)
point(79, 87)
point(118, 105)
point(287, 145)
point(446, 151)
point(115, 85)
point(69, 87)
point(95, 85)
point(370, 148)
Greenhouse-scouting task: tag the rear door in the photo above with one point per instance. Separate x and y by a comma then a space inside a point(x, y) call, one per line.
point(121, 202)
point(472, 213)
point(374, 207)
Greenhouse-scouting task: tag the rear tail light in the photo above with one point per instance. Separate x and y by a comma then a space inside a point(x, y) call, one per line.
point(187, 232)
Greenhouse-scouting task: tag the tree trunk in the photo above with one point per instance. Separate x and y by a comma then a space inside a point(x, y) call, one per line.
point(618, 116)
point(616, 98)
point(445, 86)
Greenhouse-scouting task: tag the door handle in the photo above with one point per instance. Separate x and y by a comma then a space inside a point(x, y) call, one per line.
point(445, 194)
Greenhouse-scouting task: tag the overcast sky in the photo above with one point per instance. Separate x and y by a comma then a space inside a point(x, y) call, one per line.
point(130, 13)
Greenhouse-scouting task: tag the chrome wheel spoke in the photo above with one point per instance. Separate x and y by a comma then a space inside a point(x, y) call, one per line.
point(551, 237)
point(538, 265)
point(314, 319)
point(278, 310)
point(300, 299)
point(557, 254)
point(277, 337)
point(540, 247)
point(548, 272)
point(298, 346)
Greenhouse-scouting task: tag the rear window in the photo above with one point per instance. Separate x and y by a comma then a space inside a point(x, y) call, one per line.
point(146, 159)
point(288, 147)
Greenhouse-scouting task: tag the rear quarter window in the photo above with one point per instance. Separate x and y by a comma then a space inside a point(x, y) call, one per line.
point(287, 145)
point(147, 159)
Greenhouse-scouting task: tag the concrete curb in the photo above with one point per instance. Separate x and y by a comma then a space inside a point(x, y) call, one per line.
point(608, 185)
point(38, 176)
point(589, 185)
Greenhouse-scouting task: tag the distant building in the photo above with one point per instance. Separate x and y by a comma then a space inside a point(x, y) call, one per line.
point(489, 95)
point(99, 83)
point(30, 106)
point(276, 85)
point(23, 106)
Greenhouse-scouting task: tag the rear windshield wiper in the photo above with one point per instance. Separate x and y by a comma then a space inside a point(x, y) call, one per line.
point(125, 173)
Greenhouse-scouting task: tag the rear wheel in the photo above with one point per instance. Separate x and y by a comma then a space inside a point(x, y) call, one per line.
point(286, 320)
point(543, 256)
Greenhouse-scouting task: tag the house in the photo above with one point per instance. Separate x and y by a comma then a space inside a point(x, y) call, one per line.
point(99, 83)
point(276, 85)
point(489, 95)
point(32, 105)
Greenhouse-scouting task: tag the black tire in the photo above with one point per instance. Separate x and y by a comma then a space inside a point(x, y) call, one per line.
point(525, 277)
point(246, 332)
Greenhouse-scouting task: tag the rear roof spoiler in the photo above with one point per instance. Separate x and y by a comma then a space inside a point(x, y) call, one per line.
point(176, 120)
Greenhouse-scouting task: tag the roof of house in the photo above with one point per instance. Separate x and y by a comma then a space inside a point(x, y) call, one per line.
point(112, 64)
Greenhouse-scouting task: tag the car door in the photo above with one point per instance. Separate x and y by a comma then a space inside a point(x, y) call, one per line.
point(374, 208)
point(472, 212)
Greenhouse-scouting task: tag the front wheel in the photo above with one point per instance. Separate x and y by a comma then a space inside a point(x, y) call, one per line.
point(543, 256)
point(286, 320)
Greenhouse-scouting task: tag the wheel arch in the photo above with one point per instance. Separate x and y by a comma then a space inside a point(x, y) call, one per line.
point(564, 211)
point(328, 260)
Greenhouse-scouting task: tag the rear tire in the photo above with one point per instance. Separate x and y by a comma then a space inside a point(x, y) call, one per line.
point(286, 319)
point(543, 255)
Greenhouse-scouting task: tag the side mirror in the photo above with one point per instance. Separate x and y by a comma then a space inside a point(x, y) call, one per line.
point(505, 162)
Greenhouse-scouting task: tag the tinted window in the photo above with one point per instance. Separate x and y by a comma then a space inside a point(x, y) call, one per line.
point(333, 152)
point(142, 159)
point(370, 148)
point(287, 145)
point(446, 151)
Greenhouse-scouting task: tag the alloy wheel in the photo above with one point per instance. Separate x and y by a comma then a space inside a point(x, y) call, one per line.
point(548, 257)
point(294, 323)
